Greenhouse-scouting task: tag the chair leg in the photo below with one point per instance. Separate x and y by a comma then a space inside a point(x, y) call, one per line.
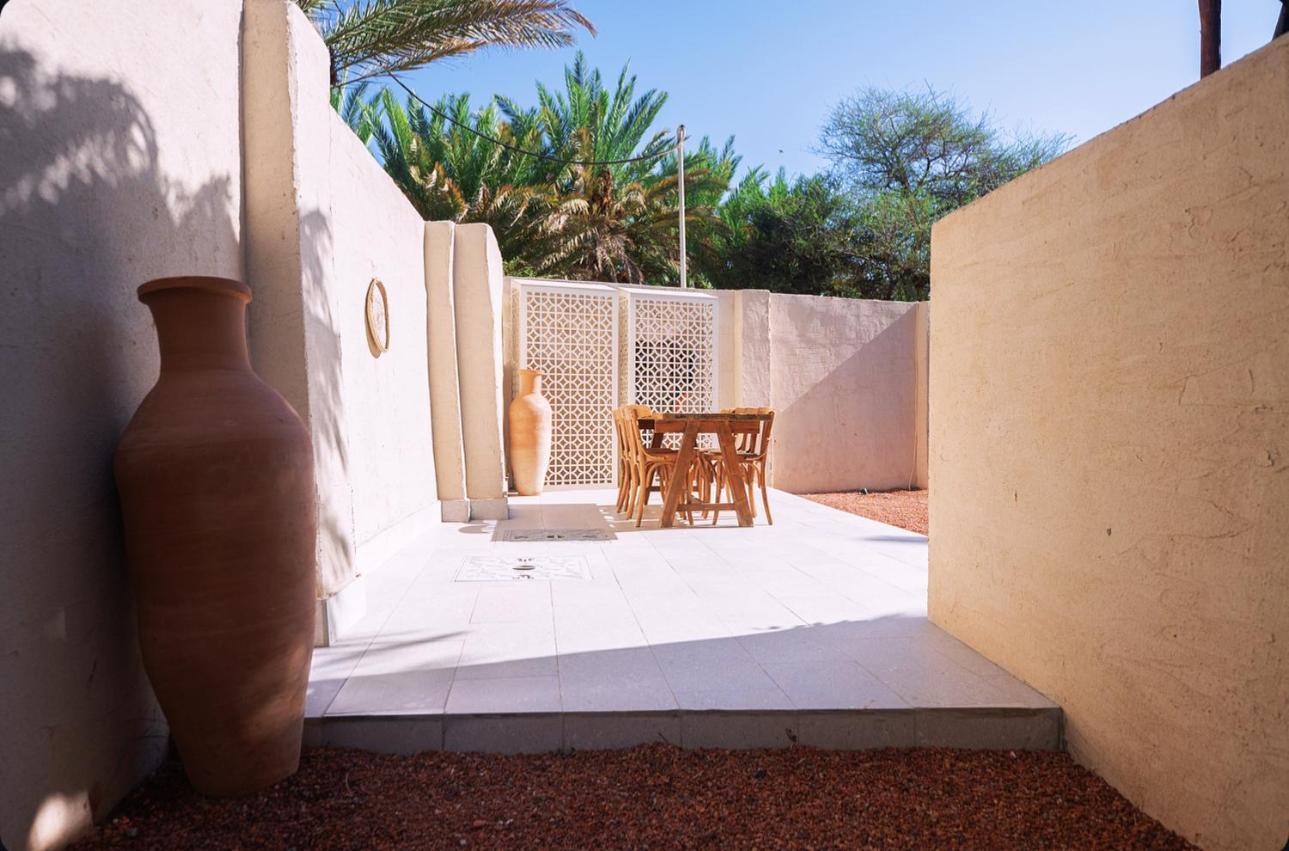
point(765, 495)
point(642, 498)
point(629, 493)
point(748, 474)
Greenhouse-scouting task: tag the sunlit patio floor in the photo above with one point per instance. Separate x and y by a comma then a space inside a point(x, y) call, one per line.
point(811, 631)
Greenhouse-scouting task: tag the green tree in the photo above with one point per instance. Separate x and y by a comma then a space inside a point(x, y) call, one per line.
point(554, 212)
point(368, 38)
point(787, 236)
point(909, 158)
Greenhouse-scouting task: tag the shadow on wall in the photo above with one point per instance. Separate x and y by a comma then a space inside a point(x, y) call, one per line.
point(854, 427)
point(86, 215)
point(326, 405)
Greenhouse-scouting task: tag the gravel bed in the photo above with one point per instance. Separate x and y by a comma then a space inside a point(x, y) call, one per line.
point(906, 509)
point(649, 797)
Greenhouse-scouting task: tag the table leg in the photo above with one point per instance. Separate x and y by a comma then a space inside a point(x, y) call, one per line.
point(679, 483)
point(734, 474)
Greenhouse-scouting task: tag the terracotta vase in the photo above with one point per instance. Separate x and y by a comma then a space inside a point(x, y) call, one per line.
point(530, 434)
point(215, 474)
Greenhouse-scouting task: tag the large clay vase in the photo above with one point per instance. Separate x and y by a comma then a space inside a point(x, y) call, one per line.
point(215, 474)
point(530, 434)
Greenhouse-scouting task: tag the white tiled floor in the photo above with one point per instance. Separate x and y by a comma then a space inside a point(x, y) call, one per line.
point(813, 629)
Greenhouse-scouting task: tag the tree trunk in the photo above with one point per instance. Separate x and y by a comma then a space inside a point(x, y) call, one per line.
point(1210, 36)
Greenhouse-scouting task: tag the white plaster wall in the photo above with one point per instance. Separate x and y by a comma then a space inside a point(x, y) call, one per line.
point(445, 394)
point(295, 319)
point(378, 234)
point(119, 162)
point(479, 290)
point(323, 220)
point(844, 386)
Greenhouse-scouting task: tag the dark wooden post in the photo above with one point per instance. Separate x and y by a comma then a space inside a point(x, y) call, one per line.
point(1282, 25)
point(1210, 36)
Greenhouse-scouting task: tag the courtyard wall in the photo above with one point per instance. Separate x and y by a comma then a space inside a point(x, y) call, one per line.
point(120, 161)
point(1109, 388)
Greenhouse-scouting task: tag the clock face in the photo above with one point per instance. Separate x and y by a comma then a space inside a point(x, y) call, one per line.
point(378, 316)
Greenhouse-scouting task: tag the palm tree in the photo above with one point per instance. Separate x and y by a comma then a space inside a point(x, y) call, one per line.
point(595, 199)
point(369, 38)
point(450, 174)
point(617, 220)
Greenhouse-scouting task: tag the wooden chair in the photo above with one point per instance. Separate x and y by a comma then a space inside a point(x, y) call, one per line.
point(629, 468)
point(649, 465)
point(754, 453)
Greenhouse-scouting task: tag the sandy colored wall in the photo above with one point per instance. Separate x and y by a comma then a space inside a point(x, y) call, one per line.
point(445, 389)
point(843, 383)
point(479, 292)
point(111, 173)
point(1109, 409)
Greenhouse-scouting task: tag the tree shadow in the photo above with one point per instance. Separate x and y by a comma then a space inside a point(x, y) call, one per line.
point(87, 214)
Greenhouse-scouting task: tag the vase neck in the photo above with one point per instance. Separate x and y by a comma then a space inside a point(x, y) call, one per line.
point(199, 327)
point(530, 382)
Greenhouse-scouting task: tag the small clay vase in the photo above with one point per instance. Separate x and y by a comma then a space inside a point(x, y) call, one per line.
point(530, 434)
point(215, 474)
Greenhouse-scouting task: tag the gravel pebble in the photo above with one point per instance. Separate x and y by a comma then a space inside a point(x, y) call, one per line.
point(906, 509)
point(655, 796)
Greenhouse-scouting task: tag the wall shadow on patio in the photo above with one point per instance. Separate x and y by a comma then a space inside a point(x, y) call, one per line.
point(87, 214)
point(897, 667)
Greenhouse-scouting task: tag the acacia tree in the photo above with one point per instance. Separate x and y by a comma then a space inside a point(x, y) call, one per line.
point(908, 158)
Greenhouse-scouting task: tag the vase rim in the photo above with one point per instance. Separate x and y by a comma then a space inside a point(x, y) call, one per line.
point(532, 371)
point(206, 283)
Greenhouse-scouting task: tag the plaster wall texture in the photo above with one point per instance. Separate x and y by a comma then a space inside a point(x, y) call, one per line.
point(323, 220)
point(120, 162)
point(479, 290)
point(843, 383)
point(378, 234)
point(921, 386)
point(445, 391)
point(295, 318)
point(1110, 398)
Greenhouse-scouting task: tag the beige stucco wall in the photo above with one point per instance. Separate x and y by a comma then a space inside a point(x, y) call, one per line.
point(323, 220)
point(119, 162)
point(295, 319)
point(843, 383)
point(378, 234)
point(445, 391)
point(1109, 417)
point(479, 293)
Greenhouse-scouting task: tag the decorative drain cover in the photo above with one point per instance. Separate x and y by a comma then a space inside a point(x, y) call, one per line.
point(508, 568)
point(536, 535)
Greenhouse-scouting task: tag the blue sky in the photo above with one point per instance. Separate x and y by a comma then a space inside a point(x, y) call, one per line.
point(768, 72)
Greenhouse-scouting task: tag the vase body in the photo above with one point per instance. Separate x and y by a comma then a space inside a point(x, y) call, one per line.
point(215, 475)
point(530, 434)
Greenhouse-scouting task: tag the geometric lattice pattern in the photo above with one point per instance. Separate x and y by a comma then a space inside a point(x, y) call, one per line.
point(570, 334)
point(671, 352)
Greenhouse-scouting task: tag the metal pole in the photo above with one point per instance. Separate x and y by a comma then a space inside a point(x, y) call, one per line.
point(680, 183)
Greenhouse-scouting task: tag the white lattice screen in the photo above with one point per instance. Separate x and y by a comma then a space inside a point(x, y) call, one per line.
point(670, 354)
point(570, 333)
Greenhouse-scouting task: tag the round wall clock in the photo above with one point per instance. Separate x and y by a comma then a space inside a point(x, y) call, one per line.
point(377, 317)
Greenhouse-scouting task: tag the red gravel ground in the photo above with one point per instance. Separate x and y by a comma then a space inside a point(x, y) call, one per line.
point(650, 797)
point(906, 509)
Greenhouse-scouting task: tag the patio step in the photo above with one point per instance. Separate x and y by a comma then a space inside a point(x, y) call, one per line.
point(976, 727)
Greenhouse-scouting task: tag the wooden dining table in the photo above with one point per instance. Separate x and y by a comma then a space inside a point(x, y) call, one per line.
point(690, 426)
